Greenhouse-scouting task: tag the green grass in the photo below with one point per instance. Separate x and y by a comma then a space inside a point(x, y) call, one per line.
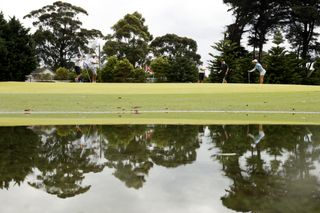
point(86, 97)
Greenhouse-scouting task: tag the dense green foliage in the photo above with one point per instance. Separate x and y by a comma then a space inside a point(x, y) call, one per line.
point(17, 51)
point(161, 68)
point(179, 58)
point(117, 70)
point(283, 67)
point(62, 74)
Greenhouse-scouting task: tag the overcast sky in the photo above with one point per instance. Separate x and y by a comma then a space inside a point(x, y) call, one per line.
point(202, 20)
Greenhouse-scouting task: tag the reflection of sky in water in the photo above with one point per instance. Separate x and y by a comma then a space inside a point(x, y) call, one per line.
point(187, 189)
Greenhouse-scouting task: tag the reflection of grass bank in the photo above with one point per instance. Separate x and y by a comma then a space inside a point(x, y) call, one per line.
point(158, 118)
point(68, 97)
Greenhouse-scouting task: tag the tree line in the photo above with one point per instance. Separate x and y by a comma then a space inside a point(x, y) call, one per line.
point(59, 37)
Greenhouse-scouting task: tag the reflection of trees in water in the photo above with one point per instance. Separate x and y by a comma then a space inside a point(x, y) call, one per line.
point(173, 146)
point(229, 139)
point(276, 176)
point(56, 158)
point(132, 150)
point(63, 160)
point(18, 151)
point(127, 153)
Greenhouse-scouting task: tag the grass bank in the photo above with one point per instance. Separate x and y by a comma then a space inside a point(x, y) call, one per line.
point(74, 103)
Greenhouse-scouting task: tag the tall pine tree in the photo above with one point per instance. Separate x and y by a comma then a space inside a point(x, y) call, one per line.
point(17, 51)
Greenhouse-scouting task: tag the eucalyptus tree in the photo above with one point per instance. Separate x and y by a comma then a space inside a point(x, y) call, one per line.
point(130, 40)
point(59, 35)
point(182, 55)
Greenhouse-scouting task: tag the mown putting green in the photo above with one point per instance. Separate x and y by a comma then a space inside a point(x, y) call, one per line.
point(134, 103)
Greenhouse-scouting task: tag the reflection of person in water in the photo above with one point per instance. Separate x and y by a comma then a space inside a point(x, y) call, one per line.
point(225, 132)
point(256, 139)
point(148, 134)
point(308, 136)
point(201, 131)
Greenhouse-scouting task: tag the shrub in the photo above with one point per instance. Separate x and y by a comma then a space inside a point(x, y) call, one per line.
point(62, 74)
point(139, 76)
point(161, 68)
point(86, 75)
point(106, 73)
point(123, 71)
point(46, 77)
point(72, 76)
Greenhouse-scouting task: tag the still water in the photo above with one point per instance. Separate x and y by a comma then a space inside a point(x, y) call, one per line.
point(159, 168)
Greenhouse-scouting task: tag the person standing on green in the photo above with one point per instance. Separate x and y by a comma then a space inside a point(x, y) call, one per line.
point(94, 66)
point(201, 74)
point(260, 69)
point(224, 70)
point(77, 67)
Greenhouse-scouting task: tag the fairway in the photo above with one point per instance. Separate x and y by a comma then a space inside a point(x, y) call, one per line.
point(84, 103)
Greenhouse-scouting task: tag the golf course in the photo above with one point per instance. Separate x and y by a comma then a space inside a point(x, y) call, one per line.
point(190, 103)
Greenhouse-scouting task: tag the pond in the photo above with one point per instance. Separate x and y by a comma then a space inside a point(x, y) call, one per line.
point(160, 168)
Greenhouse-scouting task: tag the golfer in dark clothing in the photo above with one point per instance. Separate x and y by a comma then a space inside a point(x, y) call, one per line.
point(77, 68)
point(201, 74)
point(224, 70)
